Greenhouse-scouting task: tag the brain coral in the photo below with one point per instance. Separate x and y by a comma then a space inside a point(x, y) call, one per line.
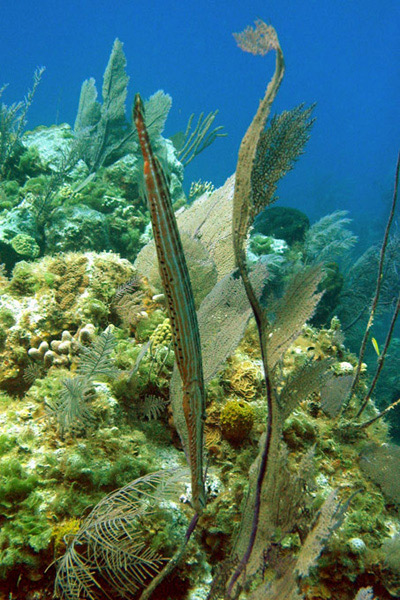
point(25, 245)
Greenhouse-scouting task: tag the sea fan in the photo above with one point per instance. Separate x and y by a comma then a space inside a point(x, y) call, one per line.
point(290, 312)
point(157, 108)
point(278, 149)
point(100, 127)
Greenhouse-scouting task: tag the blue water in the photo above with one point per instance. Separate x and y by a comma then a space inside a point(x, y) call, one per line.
point(342, 54)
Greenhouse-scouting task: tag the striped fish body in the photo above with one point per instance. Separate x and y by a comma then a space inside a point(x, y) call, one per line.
point(178, 291)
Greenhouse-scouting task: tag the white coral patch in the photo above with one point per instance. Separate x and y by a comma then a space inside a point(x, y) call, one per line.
point(345, 368)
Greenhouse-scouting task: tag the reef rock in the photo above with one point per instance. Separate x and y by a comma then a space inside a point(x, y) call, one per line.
point(75, 227)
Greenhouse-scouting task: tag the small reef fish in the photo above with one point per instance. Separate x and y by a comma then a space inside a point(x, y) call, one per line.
point(375, 345)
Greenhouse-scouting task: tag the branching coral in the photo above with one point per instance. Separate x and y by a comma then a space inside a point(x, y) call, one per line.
point(191, 143)
point(13, 121)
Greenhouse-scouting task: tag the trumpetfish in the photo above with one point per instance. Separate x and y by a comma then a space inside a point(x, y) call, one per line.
point(180, 304)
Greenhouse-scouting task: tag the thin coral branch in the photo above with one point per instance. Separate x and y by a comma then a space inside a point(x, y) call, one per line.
point(381, 359)
point(379, 415)
point(355, 320)
point(200, 138)
point(257, 41)
point(379, 282)
point(172, 563)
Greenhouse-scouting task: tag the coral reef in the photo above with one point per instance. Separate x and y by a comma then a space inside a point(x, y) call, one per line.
point(48, 482)
point(71, 186)
point(102, 485)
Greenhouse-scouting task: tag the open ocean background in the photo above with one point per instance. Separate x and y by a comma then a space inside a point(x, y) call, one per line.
point(341, 54)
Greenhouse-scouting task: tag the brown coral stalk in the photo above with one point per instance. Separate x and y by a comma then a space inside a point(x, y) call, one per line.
point(379, 282)
point(257, 41)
